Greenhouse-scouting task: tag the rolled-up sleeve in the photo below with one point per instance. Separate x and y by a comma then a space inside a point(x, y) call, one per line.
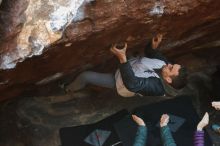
point(199, 138)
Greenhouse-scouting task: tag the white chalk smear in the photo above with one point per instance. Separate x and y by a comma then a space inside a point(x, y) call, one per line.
point(158, 9)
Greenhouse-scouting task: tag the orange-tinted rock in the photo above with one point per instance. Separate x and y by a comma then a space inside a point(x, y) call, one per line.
point(39, 44)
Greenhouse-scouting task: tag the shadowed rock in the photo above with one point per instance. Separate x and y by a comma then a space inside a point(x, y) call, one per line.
point(43, 41)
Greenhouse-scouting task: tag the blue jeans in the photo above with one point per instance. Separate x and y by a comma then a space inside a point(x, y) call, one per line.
point(89, 77)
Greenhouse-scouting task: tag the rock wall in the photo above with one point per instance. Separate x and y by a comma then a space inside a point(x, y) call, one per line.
point(42, 41)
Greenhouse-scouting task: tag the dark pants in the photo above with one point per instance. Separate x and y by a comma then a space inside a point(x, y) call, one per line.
point(89, 77)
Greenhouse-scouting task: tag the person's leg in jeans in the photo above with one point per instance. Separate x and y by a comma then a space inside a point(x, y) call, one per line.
point(89, 77)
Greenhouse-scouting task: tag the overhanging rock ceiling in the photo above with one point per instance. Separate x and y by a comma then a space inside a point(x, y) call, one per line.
point(44, 40)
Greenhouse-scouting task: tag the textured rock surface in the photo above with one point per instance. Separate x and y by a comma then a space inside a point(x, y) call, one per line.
point(45, 43)
point(35, 121)
point(42, 41)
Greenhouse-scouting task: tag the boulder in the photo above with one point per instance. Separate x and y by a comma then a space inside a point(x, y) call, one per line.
point(45, 41)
